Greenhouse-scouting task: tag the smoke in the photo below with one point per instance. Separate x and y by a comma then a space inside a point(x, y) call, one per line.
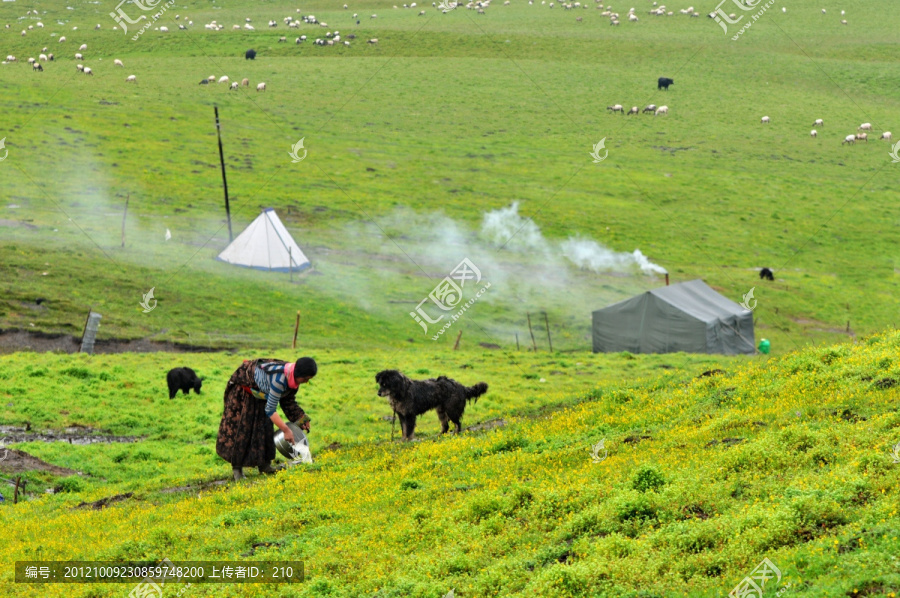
point(506, 229)
point(590, 255)
point(388, 268)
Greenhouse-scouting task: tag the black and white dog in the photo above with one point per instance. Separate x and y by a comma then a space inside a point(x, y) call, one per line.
point(411, 398)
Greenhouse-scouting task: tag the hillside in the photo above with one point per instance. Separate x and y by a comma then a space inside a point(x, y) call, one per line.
point(414, 140)
point(700, 478)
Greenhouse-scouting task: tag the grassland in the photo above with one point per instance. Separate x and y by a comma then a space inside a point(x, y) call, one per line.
point(455, 114)
point(704, 476)
point(411, 142)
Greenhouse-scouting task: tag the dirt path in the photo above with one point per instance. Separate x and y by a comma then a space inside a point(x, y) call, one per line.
point(16, 462)
point(42, 342)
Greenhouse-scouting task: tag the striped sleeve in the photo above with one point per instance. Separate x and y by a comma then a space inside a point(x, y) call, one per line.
point(272, 382)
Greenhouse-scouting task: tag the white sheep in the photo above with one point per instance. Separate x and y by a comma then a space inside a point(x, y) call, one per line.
point(83, 47)
point(39, 24)
point(632, 18)
point(616, 108)
point(862, 137)
point(223, 79)
point(864, 127)
point(164, 29)
point(62, 39)
point(130, 79)
point(42, 58)
point(79, 67)
point(36, 66)
point(118, 62)
point(764, 120)
point(849, 139)
point(634, 110)
point(649, 108)
point(31, 61)
point(78, 56)
point(211, 78)
point(249, 27)
point(819, 122)
point(886, 136)
point(374, 40)
point(843, 21)
point(234, 85)
point(661, 110)
point(88, 71)
point(261, 87)
point(813, 133)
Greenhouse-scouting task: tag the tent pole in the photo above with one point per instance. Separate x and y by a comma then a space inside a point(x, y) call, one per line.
point(224, 180)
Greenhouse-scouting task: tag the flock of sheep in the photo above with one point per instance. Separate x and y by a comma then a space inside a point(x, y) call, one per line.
point(651, 108)
point(860, 134)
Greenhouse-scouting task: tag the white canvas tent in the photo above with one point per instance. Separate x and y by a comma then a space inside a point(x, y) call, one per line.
point(265, 245)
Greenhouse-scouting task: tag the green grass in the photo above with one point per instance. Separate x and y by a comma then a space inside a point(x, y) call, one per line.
point(701, 478)
point(127, 396)
point(455, 114)
point(411, 142)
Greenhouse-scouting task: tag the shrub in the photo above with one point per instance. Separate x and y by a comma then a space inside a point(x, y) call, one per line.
point(70, 484)
point(647, 478)
point(76, 372)
point(635, 508)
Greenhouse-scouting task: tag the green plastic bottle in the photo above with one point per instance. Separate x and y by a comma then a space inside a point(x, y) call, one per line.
point(764, 346)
